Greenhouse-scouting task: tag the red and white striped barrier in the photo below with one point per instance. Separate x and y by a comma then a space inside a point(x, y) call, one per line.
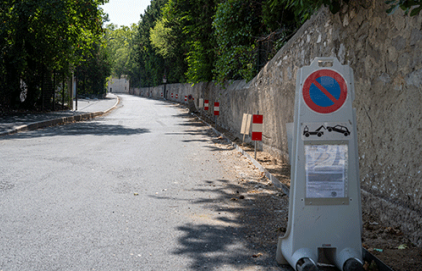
point(216, 109)
point(206, 106)
point(257, 127)
point(172, 95)
point(161, 95)
point(186, 98)
point(177, 96)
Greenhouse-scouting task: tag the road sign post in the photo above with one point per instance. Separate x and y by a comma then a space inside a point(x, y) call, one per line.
point(325, 215)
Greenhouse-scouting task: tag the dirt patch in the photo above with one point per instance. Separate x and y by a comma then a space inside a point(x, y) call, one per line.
point(267, 220)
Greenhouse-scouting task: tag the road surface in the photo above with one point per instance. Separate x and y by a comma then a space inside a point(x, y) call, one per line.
point(143, 188)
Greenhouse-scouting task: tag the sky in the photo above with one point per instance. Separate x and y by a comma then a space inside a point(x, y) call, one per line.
point(125, 12)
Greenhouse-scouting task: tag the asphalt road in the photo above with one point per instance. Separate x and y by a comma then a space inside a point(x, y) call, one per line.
point(143, 188)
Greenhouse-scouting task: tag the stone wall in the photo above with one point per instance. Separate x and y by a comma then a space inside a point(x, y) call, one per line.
point(385, 52)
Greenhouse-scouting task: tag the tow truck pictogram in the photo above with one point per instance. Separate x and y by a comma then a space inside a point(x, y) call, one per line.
point(317, 132)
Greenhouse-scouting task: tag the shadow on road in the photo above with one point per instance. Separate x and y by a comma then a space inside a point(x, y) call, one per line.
point(212, 247)
point(235, 235)
point(80, 128)
point(247, 217)
point(241, 223)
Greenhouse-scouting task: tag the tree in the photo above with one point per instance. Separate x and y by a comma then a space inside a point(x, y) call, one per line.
point(119, 44)
point(183, 37)
point(200, 41)
point(41, 37)
point(123, 45)
point(159, 37)
point(236, 25)
point(93, 71)
point(152, 65)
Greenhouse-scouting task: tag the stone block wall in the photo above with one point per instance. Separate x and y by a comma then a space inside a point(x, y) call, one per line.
point(385, 52)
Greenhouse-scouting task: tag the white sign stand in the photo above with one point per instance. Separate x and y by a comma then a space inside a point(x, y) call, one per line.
point(325, 218)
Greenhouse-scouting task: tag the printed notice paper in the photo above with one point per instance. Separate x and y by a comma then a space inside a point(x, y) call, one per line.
point(326, 171)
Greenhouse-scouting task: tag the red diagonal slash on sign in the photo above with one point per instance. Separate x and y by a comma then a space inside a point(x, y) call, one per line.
point(328, 94)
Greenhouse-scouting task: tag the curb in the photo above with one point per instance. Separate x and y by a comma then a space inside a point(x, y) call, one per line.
point(58, 121)
point(271, 177)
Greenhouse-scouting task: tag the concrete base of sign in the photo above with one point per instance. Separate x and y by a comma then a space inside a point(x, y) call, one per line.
point(305, 259)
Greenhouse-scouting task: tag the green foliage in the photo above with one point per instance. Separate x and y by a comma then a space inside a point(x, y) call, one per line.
point(199, 66)
point(158, 38)
point(190, 40)
point(412, 6)
point(92, 73)
point(206, 39)
point(276, 16)
point(236, 23)
point(303, 9)
point(152, 66)
point(39, 37)
point(122, 44)
point(200, 41)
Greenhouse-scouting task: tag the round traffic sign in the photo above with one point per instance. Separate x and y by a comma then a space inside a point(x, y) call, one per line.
point(324, 91)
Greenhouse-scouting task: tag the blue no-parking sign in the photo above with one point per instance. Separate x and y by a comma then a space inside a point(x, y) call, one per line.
point(324, 91)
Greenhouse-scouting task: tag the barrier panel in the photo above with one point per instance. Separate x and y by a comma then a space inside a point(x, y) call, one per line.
point(257, 123)
point(216, 109)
